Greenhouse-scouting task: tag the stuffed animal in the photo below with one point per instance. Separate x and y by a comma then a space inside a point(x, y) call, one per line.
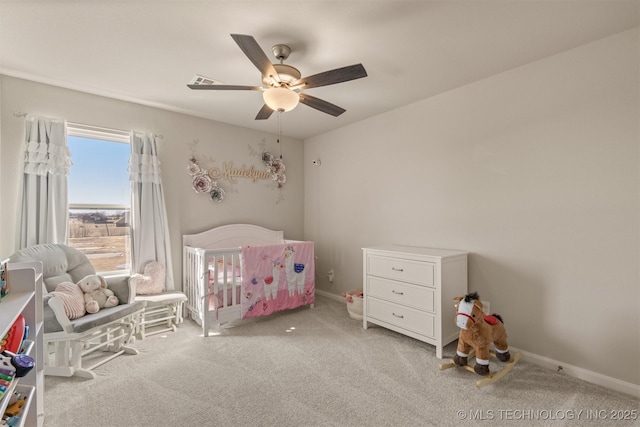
point(96, 294)
point(479, 330)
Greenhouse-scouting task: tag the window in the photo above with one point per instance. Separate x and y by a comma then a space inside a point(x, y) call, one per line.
point(100, 196)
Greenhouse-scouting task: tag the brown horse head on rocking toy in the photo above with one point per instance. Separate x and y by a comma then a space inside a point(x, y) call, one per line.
point(478, 330)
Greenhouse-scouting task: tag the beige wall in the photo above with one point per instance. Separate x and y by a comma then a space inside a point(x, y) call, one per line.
point(245, 202)
point(534, 171)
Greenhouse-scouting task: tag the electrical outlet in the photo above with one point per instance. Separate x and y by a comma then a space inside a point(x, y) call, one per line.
point(331, 275)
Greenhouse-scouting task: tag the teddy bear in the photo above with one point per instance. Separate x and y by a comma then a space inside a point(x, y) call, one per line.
point(96, 294)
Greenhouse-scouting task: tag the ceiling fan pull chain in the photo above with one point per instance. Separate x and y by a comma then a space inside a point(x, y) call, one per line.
point(280, 131)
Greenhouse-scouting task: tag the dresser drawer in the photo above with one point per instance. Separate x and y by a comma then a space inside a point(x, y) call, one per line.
point(419, 297)
point(407, 318)
point(418, 272)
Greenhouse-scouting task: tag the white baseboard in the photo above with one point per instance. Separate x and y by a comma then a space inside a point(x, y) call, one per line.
point(329, 295)
point(545, 362)
point(581, 373)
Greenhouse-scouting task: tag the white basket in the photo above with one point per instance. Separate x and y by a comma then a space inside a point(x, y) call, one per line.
point(355, 306)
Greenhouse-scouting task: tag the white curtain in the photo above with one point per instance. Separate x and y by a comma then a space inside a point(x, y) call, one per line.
point(44, 216)
point(150, 231)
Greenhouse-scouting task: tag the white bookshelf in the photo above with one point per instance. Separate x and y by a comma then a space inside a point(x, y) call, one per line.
point(25, 298)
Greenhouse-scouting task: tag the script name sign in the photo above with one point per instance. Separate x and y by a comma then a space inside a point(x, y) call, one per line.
point(231, 173)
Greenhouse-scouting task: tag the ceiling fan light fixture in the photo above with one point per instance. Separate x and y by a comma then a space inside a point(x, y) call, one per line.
point(280, 99)
point(282, 82)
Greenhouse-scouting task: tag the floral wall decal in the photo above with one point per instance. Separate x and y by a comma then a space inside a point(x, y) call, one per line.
point(202, 182)
point(205, 180)
point(276, 168)
point(276, 171)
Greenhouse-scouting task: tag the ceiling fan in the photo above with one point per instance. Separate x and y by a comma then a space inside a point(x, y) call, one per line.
point(283, 83)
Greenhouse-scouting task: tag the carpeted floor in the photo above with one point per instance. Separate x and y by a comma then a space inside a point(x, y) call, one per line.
point(316, 367)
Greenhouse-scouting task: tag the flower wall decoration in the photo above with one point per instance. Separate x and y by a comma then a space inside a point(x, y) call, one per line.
point(276, 168)
point(216, 194)
point(202, 182)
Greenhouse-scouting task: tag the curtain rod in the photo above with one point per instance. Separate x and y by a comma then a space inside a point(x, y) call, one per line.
point(107, 129)
point(20, 114)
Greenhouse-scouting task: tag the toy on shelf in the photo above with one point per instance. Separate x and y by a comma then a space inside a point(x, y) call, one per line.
point(15, 408)
point(18, 365)
point(4, 279)
point(7, 374)
point(13, 340)
point(478, 330)
point(13, 412)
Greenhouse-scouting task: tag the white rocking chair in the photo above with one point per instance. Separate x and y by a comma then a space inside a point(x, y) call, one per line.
point(77, 347)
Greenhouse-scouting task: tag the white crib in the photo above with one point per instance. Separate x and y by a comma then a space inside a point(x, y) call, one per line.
point(211, 270)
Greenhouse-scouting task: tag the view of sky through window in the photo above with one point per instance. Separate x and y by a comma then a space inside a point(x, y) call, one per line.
point(92, 179)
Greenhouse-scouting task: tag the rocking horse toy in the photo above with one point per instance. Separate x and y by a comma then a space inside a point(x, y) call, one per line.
point(478, 331)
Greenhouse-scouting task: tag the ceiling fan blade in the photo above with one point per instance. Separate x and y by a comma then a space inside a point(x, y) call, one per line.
point(223, 87)
point(331, 77)
point(253, 51)
point(264, 113)
point(319, 104)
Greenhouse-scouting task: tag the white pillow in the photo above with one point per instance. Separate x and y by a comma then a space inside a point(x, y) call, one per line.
point(151, 281)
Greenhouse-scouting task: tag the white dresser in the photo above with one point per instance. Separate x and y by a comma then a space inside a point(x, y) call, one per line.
point(410, 290)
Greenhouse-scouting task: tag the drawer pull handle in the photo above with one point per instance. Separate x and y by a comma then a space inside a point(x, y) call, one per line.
point(397, 293)
point(398, 315)
point(397, 269)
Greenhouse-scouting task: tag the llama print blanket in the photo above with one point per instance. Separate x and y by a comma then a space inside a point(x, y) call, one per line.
point(277, 277)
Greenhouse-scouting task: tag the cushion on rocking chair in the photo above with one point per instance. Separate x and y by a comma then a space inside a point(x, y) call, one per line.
point(89, 321)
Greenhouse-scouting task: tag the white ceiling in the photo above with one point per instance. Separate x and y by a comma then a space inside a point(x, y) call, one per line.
point(147, 51)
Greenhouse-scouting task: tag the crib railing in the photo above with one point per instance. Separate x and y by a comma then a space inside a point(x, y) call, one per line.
point(211, 279)
point(192, 272)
